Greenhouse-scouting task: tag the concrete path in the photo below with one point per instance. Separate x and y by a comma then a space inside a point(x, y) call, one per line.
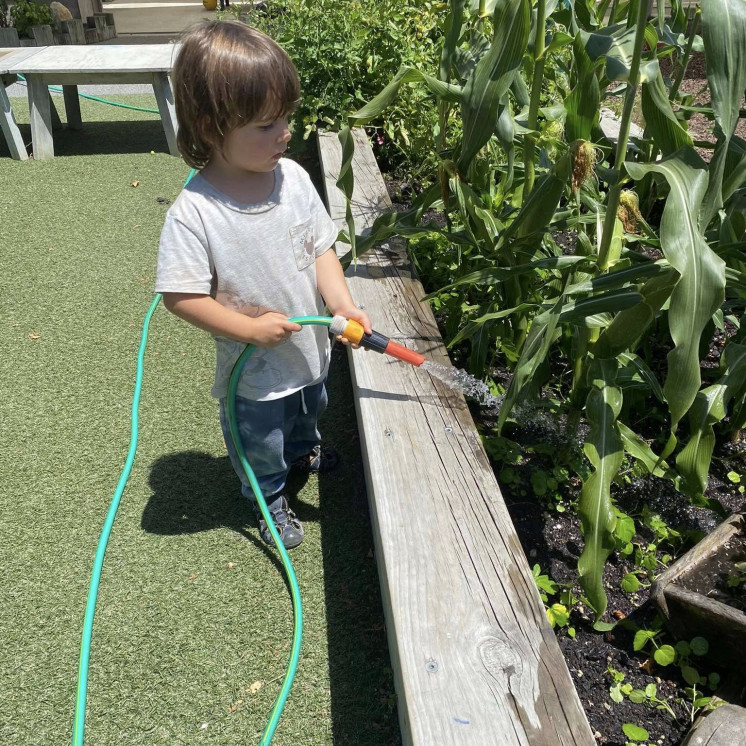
point(148, 17)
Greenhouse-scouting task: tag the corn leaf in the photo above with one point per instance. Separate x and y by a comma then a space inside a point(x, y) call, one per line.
point(584, 102)
point(710, 407)
point(616, 44)
point(701, 286)
point(668, 133)
point(406, 74)
point(492, 77)
point(615, 300)
point(628, 326)
point(605, 452)
point(724, 35)
point(534, 353)
point(636, 447)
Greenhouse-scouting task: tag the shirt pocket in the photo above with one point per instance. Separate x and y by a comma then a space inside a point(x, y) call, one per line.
point(303, 244)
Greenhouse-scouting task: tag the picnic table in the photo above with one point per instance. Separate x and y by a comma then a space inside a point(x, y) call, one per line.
point(70, 66)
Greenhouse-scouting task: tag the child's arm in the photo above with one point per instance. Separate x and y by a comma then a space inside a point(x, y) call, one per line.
point(330, 280)
point(205, 312)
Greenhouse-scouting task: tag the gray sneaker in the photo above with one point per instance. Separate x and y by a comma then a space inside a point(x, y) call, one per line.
point(287, 524)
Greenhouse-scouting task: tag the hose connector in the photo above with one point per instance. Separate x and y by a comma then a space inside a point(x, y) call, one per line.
point(353, 332)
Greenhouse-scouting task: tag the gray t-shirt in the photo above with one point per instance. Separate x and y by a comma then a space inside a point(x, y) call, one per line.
point(253, 259)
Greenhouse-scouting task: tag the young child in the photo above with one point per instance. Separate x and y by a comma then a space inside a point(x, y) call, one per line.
point(248, 244)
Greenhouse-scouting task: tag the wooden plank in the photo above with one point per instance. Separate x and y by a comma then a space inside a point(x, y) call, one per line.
point(475, 659)
point(725, 726)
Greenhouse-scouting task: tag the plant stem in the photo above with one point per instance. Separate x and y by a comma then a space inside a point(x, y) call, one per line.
point(612, 202)
point(694, 19)
point(529, 146)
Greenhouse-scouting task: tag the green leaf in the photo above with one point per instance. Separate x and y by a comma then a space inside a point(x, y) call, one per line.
point(665, 655)
point(604, 450)
point(637, 696)
point(635, 732)
point(615, 694)
point(709, 408)
point(690, 674)
point(668, 133)
point(724, 36)
point(630, 583)
point(699, 645)
point(701, 286)
point(616, 44)
point(535, 350)
point(493, 76)
point(628, 326)
point(583, 104)
point(641, 639)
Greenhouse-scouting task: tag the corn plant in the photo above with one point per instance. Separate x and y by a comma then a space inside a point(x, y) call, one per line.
point(525, 85)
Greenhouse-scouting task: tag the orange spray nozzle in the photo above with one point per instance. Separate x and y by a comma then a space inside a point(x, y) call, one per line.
point(354, 332)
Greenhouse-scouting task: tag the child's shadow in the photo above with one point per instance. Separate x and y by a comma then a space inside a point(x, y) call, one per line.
point(193, 491)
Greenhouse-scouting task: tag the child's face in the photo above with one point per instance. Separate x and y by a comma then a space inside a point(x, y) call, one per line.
point(257, 146)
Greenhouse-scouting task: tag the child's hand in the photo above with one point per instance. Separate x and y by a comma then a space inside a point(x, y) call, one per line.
point(271, 329)
point(356, 314)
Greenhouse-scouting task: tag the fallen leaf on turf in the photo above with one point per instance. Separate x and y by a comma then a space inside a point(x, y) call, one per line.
point(255, 687)
point(135, 184)
point(230, 565)
point(34, 335)
point(192, 576)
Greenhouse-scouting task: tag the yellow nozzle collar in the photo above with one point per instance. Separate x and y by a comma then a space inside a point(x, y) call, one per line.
point(353, 331)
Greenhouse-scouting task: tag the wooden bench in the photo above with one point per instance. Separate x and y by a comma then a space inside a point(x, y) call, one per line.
point(475, 660)
point(71, 66)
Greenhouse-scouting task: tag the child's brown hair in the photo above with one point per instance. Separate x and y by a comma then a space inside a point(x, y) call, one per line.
point(228, 74)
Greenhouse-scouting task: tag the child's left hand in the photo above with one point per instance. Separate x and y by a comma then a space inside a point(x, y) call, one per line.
point(356, 314)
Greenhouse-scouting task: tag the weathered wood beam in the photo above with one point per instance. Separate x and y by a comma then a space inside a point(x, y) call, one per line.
point(474, 657)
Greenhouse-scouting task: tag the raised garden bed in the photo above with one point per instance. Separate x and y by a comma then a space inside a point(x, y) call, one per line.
point(702, 594)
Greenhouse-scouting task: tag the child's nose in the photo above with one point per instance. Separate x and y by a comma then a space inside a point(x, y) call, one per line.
point(285, 136)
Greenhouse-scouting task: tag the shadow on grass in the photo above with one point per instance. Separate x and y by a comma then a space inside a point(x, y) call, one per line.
point(101, 138)
point(362, 686)
point(194, 491)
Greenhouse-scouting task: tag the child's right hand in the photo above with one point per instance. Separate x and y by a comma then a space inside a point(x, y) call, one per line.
point(272, 329)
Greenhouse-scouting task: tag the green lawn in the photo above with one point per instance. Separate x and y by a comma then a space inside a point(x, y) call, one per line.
point(193, 609)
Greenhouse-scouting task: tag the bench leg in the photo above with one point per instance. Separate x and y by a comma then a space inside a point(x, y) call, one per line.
point(72, 107)
point(40, 112)
point(56, 121)
point(165, 98)
point(10, 128)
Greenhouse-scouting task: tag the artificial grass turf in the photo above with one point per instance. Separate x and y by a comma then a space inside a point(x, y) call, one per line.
point(193, 609)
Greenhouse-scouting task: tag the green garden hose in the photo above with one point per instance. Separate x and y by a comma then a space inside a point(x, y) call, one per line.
point(85, 648)
point(56, 89)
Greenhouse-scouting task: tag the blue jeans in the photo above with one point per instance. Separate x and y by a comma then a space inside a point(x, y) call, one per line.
point(274, 434)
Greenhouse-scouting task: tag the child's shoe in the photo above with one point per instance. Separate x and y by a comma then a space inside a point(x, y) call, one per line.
point(320, 460)
point(287, 524)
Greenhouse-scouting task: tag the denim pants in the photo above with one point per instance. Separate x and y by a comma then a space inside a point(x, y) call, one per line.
point(273, 434)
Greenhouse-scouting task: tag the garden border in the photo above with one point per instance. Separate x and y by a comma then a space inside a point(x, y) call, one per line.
point(475, 660)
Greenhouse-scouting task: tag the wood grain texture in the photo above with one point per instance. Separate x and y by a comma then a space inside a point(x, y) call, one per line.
point(725, 726)
point(475, 659)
